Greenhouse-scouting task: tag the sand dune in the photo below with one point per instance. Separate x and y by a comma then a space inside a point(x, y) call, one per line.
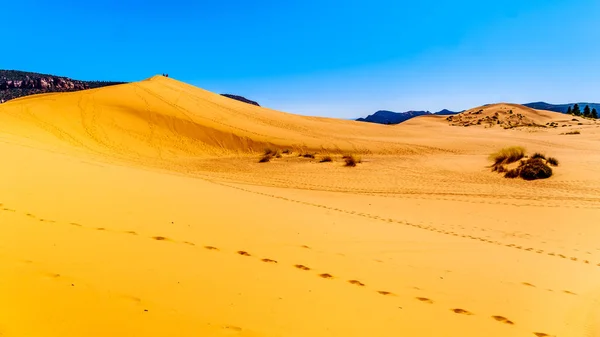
point(141, 210)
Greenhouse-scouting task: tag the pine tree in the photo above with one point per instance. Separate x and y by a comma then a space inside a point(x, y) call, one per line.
point(576, 110)
point(594, 113)
point(587, 112)
point(569, 110)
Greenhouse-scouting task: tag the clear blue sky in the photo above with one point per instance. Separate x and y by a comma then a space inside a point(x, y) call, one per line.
point(330, 58)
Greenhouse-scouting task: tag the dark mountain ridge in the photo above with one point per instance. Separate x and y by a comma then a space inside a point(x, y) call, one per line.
point(391, 117)
point(562, 108)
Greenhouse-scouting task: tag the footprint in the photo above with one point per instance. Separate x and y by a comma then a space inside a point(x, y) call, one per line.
point(160, 238)
point(528, 284)
point(357, 283)
point(268, 261)
point(189, 243)
point(243, 253)
point(75, 224)
point(302, 267)
point(425, 299)
point(541, 334)
point(503, 319)
point(462, 312)
point(232, 328)
point(53, 275)
point(325, 275)
point(131, 232)
point(212, 248)
point(569, 292)
point(100, 229)
point(384, 293)
point(305, 246)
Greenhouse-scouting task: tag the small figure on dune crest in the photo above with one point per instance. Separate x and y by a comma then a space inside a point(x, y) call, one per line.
point(535, 167)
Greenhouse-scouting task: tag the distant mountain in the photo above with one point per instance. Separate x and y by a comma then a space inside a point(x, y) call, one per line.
point(446, 112)
point(562, 108)
point(390, 117)
point(241, 99)
point(15, 84)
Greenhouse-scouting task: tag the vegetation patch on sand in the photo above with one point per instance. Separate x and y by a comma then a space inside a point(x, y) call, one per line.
point(507, 155)
point(268, 155)
point(535, 167)
point(351, 160)
point(326, 159)
point(576, 132)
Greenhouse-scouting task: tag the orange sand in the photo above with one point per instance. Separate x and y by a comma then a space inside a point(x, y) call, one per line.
point(141, 210)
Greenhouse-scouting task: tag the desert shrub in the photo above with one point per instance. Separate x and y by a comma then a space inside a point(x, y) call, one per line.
point(538, 155)
point(286, 151)
point(552, 161)
point(535, 169)
point(326, 159)
point(266, 158)
point(499, 168)
point(308, 155)
point(351, 160)
point(514, 173)
point(576, 132)
point(507, 155)
point(268, 151)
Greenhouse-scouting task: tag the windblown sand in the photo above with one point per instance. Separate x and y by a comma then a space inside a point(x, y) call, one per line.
point(142, 210)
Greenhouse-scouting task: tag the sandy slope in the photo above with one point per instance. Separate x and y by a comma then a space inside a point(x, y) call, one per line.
point(141, 210)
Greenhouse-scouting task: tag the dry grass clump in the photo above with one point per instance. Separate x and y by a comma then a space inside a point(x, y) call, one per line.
point(507, 155)
point(265, 158)
point(535, 167)
point(552, 161)
point(268, 155)
point(326, 159)
point(351, 160)
point(538, 155)
point(307, 155)
point(576, 132)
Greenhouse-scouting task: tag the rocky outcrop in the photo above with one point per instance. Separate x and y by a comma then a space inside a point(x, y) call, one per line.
point(43, 83)
point(15, 84)
point(241, 99)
